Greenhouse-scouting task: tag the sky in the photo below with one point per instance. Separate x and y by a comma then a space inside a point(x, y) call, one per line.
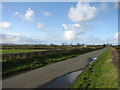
point(59, 22)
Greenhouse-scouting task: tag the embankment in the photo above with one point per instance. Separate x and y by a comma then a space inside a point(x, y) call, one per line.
point(100, 74)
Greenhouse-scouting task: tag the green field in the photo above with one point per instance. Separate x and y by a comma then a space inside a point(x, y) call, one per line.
point(15, 63)
point(6, 51)
point(100, 74)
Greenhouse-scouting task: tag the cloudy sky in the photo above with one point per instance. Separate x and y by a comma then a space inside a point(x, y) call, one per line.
point(59, 22)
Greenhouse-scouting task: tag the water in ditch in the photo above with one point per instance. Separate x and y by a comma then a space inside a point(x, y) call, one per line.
point(65, 80)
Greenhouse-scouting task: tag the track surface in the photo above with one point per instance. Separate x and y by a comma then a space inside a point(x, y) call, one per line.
point(40, 76)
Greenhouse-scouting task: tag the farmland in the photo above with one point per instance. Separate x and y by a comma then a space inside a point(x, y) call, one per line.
point(6, 51)
point(31, 57)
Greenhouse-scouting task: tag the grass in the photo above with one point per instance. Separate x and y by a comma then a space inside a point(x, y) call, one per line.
point(25, 65)
point(6, 51)
point(100, 74)
point(15, 66)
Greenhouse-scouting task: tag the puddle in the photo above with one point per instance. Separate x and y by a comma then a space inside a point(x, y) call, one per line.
point(65, 80)
point(92, 60)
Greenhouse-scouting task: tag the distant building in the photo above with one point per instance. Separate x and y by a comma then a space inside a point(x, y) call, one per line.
point(85, 45)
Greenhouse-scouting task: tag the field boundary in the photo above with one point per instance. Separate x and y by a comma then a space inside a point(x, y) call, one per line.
point(116, 62)
point(115, 58)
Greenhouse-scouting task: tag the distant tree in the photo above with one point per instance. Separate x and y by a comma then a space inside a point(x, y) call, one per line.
point(104, 45)
point(51, 44)
point(63, 44)
point(78, 44)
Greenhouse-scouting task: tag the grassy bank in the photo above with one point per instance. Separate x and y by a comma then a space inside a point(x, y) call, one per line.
point(11, 67)
point(100, 74)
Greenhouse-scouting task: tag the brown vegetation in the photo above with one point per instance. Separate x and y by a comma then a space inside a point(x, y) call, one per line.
point(115, 58)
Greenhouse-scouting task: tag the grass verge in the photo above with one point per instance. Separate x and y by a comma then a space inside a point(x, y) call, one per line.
point(100, 74)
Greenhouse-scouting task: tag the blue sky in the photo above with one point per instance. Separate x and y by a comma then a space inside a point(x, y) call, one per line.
point(59, 22)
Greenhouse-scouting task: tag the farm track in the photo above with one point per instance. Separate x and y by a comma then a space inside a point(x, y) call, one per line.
point(40, 76)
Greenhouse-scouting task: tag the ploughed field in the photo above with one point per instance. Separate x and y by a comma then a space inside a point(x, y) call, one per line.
point(20, 58)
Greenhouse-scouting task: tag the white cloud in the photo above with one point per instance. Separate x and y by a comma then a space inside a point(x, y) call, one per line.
point(1, 5)
point(69, 35)
point(82, 12)
point(71, 27)
point(40, 25)
point(5, 25)
point(76, 25)
point(28, 16)
point(104, 6)
point(72, 31)
point(90, 39)
point(115, 5)
point(47, 14)
point(115, 39)
point(16, 13)
point(117, 35)
point(18, 39)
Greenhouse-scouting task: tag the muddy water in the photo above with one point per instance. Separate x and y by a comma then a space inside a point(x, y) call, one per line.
point(65, 80)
